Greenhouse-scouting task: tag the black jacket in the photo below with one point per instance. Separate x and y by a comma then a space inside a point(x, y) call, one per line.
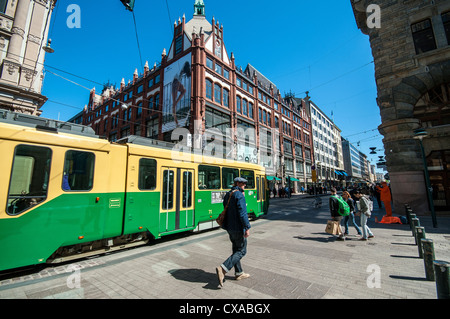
point(236, 218)
point(334, 206)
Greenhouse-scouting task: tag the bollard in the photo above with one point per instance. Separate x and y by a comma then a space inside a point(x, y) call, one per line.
point(441, 271)
point(428, 258)
point(411, 216)
point(415, 223)
point(408, 215)
point(420, 234)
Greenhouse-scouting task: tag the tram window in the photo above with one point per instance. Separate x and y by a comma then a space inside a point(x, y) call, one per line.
point(208, 177)
point(250, 177)
point(187, 189)
point(167, 191)
point(29, 178)
point(78, 174)
point(228, 176)
point(147, 174)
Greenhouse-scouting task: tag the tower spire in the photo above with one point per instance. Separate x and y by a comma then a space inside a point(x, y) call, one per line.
point(199, 8)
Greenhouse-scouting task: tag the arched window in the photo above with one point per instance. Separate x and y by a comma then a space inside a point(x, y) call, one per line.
point(217, 93)
point(208, 89)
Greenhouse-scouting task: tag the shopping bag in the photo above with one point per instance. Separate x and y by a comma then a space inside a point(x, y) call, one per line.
point(333, 228)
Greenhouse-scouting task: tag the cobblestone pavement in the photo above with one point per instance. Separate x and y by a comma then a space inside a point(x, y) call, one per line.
point(289, 257)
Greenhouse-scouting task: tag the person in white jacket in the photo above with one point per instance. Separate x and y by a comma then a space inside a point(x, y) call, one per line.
point(365, 214)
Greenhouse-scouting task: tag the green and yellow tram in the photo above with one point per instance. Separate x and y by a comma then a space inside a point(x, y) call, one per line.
point(67, 194)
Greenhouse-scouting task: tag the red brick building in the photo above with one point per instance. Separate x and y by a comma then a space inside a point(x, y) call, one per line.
point(198, 87)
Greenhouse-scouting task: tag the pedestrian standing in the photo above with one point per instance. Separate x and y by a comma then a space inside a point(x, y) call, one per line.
point(385, 195)
point(237, 225)
point(364, 211)
point(334, 210)
point(346, 196)
point(377, 195)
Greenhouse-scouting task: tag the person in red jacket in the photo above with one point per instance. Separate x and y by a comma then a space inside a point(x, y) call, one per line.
point(385, 196)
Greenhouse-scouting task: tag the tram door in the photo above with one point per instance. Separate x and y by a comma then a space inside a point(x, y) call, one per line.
point(260, 193)
point(176, 199)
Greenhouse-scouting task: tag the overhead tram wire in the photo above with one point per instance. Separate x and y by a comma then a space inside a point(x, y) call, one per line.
point(336, 78)
point(308, 67)
point(137, 39)
point(45, 65)
point(340, 76)
point(375, 129)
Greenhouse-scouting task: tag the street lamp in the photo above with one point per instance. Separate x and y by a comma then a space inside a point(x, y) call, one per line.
point(374, 150)
point(420, 134)
point(47, 48)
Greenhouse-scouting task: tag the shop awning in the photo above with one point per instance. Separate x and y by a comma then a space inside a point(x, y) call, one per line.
point(340, 172)
point(273, 178)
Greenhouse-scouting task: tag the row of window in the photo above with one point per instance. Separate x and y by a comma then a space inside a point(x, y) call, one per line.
point(218, 68)
point(126, 114)
point(209, 177)
point(246, 86)
point(127, 96)
point(244, 107)
point(221, 95)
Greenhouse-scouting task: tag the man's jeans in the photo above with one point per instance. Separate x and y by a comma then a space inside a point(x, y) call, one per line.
point(239, 245)
point(365, 229)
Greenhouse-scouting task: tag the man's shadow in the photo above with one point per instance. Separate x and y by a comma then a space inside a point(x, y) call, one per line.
point(197, 275)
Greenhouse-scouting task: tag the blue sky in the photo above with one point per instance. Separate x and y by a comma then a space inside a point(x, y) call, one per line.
point(300, 46)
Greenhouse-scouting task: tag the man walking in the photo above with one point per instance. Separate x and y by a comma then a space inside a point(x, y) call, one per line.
point(237, 225)
point(334, 210)
point(365, 214)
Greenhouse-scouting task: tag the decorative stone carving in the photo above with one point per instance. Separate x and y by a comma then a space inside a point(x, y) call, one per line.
point(42, 2)
point(18, 31)
point(34, 39)
point(5, 24)
point(28, 73)
point(12, 67)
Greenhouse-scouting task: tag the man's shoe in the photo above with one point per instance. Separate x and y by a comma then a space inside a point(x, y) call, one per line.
point(220, 275)
point(242, 276)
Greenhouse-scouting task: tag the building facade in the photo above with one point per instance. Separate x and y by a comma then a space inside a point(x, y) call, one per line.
point(356, 165)
point(411, 50)
point(24, 26)
point(327, 149)
point(197, 95)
